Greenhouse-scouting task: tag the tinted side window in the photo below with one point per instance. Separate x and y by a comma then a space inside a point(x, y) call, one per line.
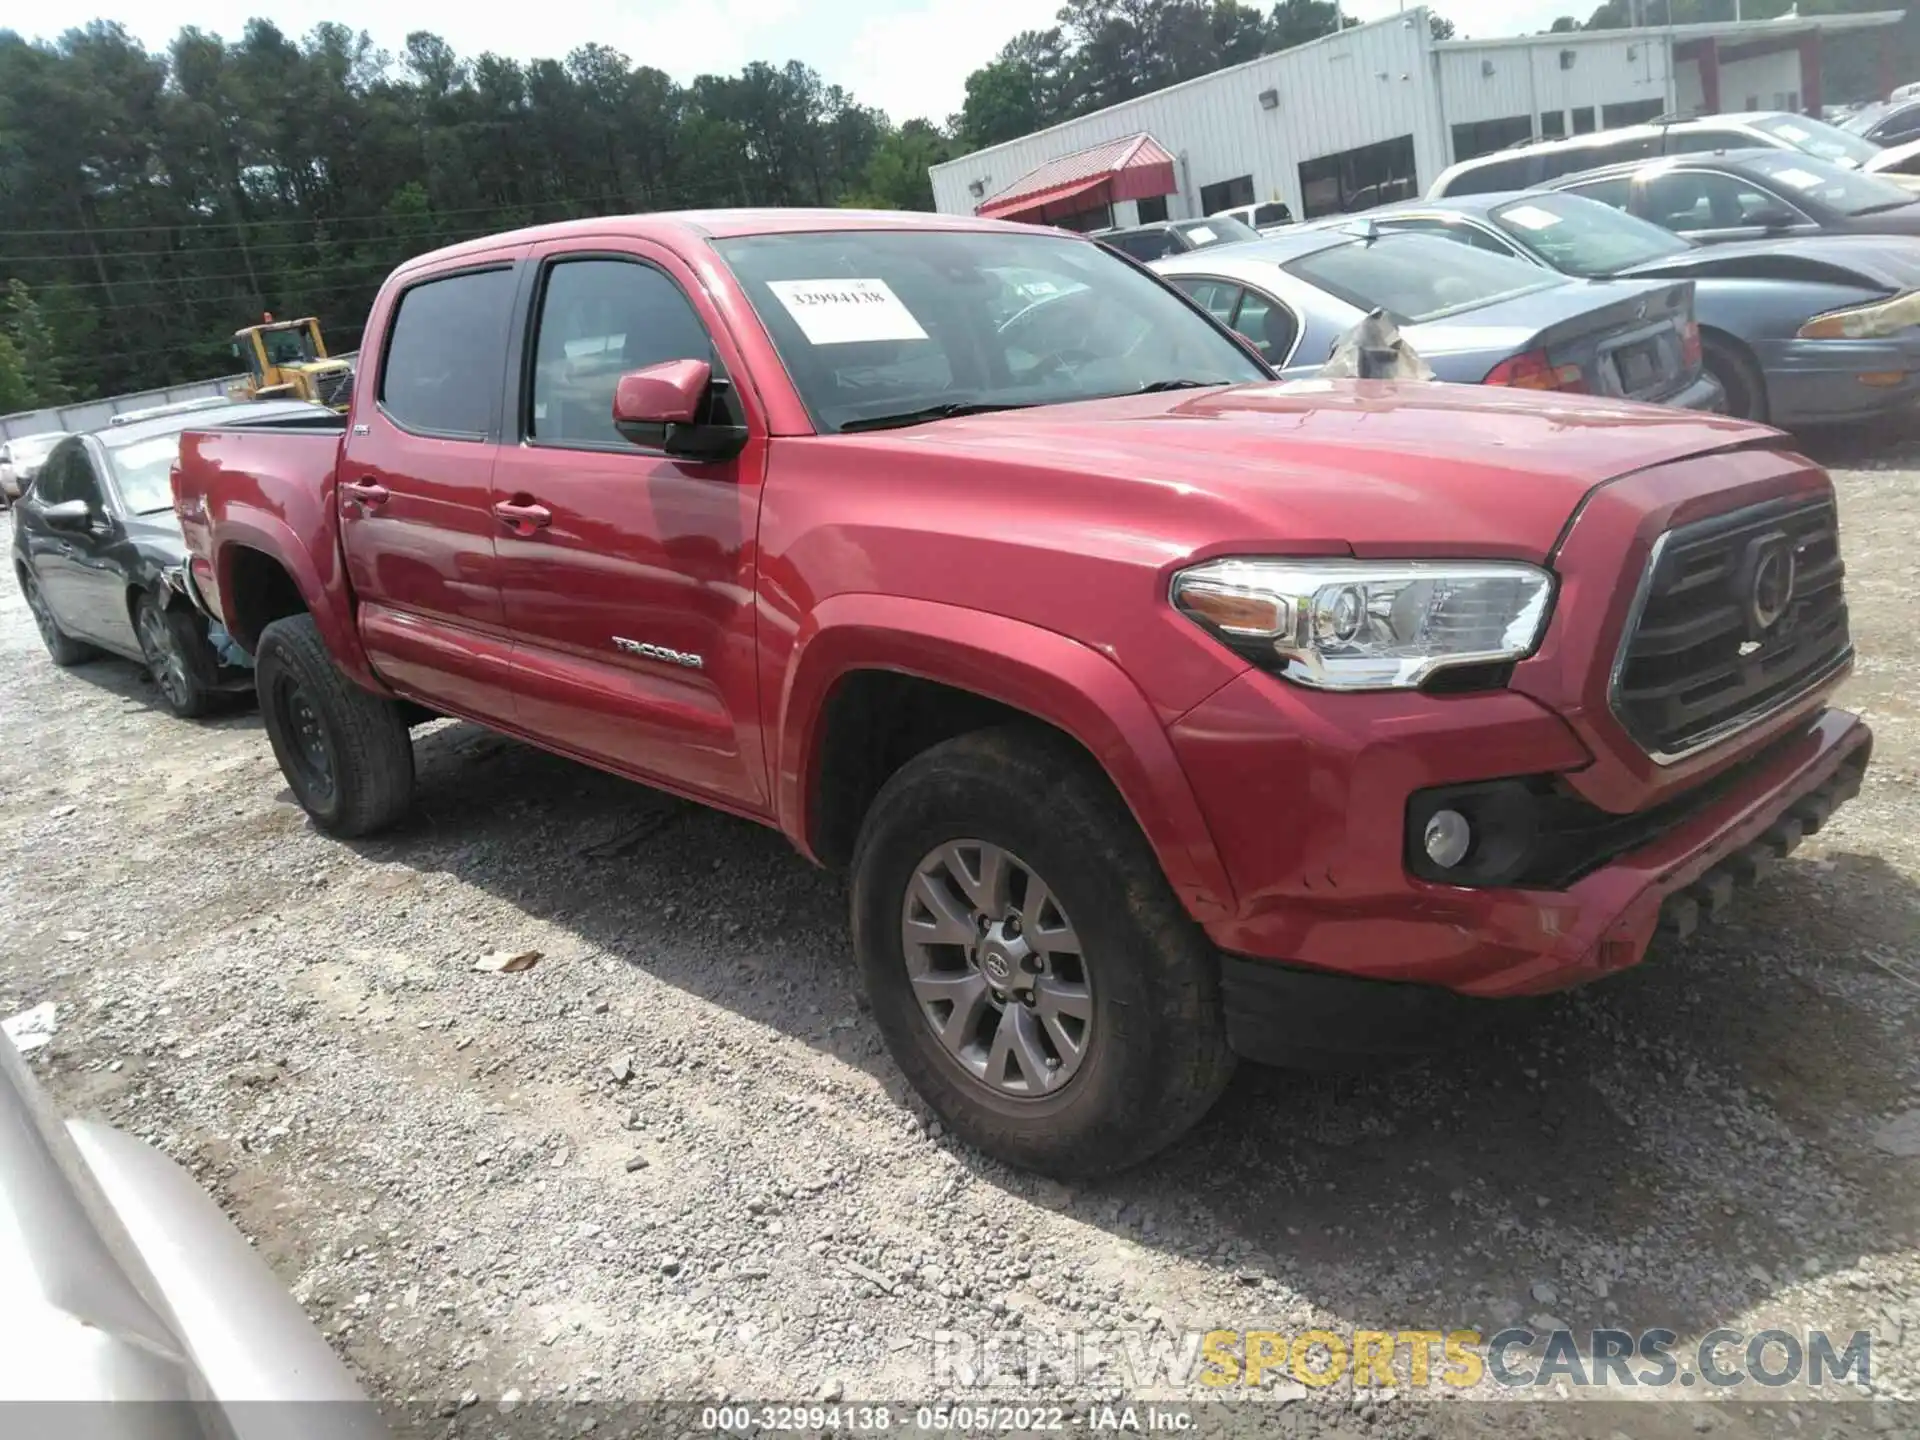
point(1686, 200)
point(51, 485)
point(1145, 245)
point(1217, 296)
point(600, 319)
point(1612, 192)
point(1269, 325)
point(448, 341)
point(1512, 174)
point(83, 481)
point(1696, 142)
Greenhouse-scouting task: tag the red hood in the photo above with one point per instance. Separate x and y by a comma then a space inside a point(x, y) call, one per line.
point(1384, 469)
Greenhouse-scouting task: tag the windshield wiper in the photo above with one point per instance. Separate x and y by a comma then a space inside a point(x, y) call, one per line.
point(947, 410)
point(1155, 387)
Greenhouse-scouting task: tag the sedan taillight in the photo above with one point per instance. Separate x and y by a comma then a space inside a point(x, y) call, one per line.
point(1535, 370)
point(1690, 345)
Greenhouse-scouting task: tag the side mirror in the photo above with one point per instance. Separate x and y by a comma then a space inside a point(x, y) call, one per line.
point(658, 408)
point(69, 515)
point(1773, 217)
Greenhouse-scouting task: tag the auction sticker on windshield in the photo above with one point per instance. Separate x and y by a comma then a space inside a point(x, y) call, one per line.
point(1531, 217)
point(845, 312)
point(1799, 179)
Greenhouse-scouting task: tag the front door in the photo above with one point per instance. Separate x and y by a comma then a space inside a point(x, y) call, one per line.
point(79, 579)
point(415, 495)
point(628, 576)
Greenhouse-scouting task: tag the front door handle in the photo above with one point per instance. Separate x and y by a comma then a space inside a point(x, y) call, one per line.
point(367, 492)
point(523, 519)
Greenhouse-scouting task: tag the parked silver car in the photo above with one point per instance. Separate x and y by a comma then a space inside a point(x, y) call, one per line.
point(120, 1280)
point(21, 459)
point(1808, 331)
point(1475, 318)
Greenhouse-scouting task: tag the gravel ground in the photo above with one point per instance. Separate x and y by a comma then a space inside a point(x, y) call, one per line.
point(671, 1160)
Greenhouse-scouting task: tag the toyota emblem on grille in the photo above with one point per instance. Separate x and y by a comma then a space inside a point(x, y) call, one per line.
point(1770, 575)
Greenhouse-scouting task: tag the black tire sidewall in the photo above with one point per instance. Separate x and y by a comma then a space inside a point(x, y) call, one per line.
point(275, 659)
point(1737, 377)
point(1096, 1122)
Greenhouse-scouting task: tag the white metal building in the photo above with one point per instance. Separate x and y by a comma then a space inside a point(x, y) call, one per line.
point(1375, 113)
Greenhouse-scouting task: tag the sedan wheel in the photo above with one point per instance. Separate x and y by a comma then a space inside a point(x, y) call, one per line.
point(63, 648)
point(178, 657)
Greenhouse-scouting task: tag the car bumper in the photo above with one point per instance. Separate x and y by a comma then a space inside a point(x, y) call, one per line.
point(1818, 382)
point(1703, 394)
point(1536, 942)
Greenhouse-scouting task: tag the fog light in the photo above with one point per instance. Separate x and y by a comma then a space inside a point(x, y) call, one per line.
point(1448, 838)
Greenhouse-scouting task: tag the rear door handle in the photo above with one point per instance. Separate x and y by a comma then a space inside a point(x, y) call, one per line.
point(523, 519)
point(366, 492)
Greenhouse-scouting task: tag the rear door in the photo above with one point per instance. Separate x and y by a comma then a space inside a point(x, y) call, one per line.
point(630, 593)
point(415, 493)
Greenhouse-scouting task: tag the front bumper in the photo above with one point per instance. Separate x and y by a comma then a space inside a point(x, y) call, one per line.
point(1534, 942)
point(1817, 382)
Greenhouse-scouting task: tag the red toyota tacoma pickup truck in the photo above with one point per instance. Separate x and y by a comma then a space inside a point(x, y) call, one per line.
point(1162, 713)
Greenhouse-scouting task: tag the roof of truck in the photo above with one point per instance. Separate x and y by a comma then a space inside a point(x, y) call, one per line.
point(714, 224)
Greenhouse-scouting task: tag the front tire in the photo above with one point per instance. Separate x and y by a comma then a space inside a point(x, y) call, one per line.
point(344, 750)
point(1028, 964)
point(62, 648)
point(1739, 377)
point(179, 660)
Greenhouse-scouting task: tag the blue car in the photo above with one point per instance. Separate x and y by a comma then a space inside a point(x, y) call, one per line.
point(1474, 317)
point(1816, 330)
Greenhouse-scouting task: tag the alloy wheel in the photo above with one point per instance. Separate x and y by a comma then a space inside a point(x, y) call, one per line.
point(998, 970)
point(42, 617)
point(164, 660)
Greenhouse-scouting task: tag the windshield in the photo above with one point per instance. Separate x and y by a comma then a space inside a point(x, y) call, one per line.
point(1217, 230)
point(1816, 137)
point(143, 470)
point(1805, 180)
point(1583, 237)
point(288, 347)
point(874, 324)
point(1419, 277)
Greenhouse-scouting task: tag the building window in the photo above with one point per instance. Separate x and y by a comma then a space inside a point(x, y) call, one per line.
point(1583, 120)
point(1483, 137)
point(1152, 208)
point(1226, 194)
point(1359, 179)
point(1634, 112)
point(1553, 124)
point(1084, 220)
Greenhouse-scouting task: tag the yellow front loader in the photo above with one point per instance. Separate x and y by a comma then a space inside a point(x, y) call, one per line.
point(287, 360)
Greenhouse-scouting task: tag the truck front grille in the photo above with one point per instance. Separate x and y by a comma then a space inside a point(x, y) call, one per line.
point(1736, 617)
point(334, 389)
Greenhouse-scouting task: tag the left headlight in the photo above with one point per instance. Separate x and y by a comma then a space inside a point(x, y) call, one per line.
point(1866, 322)
point(1368, 625)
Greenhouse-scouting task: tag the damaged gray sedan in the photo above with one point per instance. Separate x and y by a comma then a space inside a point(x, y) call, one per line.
point(1815, 330)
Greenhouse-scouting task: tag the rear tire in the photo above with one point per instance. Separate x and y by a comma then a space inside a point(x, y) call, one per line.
point(344, 751)
point(1739, 377)
point(179, 660)
point(1150, 1056)
point(62, 648)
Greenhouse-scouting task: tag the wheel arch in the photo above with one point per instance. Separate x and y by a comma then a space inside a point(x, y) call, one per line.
point(1713, 335)
point(864, 665)
point(262, 577)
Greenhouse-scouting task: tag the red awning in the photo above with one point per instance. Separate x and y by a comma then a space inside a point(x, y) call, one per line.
point(1133, 168)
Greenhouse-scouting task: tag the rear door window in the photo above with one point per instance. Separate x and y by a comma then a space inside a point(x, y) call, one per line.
point(1269, 325)
point(1616, 191)
point(1514, 174)
point(1144, 245)
point(1217, 296)
point(446, 349)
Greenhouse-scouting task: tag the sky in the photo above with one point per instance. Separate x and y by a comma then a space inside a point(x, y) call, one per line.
point(906, 57)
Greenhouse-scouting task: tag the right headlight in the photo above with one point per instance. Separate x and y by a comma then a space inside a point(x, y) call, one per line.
point(1368, 625)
